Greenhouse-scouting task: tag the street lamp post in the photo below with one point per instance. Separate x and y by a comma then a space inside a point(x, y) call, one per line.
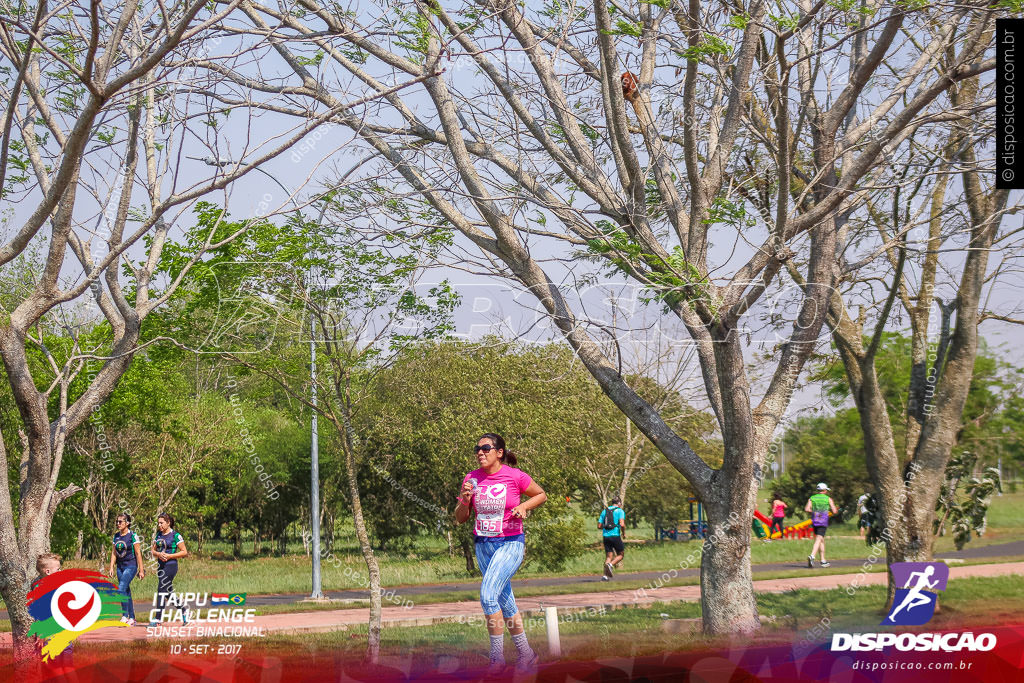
point(314, 447)
point(314, 465)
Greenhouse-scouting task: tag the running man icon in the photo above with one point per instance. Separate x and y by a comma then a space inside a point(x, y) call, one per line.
point(914, 603)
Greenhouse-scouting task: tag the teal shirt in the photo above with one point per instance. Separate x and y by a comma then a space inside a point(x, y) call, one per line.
point(617, 516)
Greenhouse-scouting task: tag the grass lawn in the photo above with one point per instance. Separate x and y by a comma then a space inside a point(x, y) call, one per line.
point(623, 582)
point(641, 631)
point(429, 561)
point(291, 573)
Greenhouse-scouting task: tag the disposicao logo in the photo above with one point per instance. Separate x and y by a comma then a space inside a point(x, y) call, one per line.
point(71, 602)
point(914, 604)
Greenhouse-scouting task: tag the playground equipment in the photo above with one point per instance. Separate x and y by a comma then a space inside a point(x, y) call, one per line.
point(696, 528)
point(691, 529)
point(761, 524)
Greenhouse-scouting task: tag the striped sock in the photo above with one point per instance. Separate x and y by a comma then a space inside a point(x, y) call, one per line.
point(525, 652)
point(498, 648)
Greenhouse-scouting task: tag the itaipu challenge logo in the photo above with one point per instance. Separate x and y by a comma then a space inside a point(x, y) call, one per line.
point(71, 602)
point(914, 603)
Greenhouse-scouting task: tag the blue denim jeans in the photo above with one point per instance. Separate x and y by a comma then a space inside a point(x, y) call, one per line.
point(124, 584)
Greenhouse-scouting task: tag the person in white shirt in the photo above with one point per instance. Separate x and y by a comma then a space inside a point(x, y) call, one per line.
point(865, 515)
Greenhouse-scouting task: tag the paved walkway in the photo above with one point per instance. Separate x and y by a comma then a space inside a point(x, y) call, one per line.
point(422, 615)
point(1011, 549)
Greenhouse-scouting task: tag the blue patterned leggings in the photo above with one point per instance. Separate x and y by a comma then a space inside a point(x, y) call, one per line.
point(499, 562)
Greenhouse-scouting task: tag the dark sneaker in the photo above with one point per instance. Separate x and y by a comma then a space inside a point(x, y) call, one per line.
point(826, 564)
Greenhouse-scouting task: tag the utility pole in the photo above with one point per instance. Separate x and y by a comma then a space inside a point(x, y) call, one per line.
point(314, 447)
point(314, 465)
point(314, 441)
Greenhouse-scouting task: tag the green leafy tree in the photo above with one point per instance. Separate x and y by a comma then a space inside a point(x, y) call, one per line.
point(713, 174)
point(355, 296)
point(824, 449)
point(659, 495)
point(431, 405)
point(965, 497)
point(831, 449)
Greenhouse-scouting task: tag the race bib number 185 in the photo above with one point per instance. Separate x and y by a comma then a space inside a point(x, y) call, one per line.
point(488, 524)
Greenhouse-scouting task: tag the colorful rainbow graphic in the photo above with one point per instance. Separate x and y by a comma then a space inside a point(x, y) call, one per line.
point(46, 598)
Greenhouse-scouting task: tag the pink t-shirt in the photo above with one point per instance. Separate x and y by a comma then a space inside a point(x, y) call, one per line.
point(779, 510)
point(494, 496)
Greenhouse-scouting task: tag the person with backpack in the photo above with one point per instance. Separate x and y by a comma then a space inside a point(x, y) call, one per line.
point(612, 525)
point(819, 505)
point(864, 523)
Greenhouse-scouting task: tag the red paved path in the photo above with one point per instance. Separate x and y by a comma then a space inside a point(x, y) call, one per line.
point(422, 615)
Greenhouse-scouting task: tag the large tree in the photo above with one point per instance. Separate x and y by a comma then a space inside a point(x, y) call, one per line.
point(931, 246)
point(102, 104)
point(637, 134)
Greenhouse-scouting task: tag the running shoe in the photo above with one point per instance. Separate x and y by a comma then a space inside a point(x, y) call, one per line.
point(609, 571)
point(124, 620)
point(131, 622)
point(810, 561)
point(605, 578)
point(826, 564)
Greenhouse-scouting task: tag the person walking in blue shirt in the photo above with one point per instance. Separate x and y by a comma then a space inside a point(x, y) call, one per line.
point(612, 524)
point(168, 547)
point(126, 555)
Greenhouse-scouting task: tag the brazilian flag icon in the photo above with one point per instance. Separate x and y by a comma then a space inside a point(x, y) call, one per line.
point(237, 598)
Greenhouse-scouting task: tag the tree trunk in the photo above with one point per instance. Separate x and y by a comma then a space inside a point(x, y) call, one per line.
point(79, 541)
point(372, 568)
point(15, 595)
point(727, 589)
point(17, 571)
point(469, 555)
point(328, 532)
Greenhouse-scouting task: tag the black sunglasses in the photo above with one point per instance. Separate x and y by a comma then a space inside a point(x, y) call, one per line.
point(486, 448)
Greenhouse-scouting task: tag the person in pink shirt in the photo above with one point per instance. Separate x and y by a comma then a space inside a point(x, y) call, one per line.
point(494, 492)
point(778, 514)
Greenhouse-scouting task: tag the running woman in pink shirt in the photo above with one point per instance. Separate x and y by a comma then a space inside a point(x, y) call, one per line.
point(778, 514)
point(494, 492)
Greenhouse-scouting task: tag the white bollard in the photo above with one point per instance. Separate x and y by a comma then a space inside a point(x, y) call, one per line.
point(554, 644)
